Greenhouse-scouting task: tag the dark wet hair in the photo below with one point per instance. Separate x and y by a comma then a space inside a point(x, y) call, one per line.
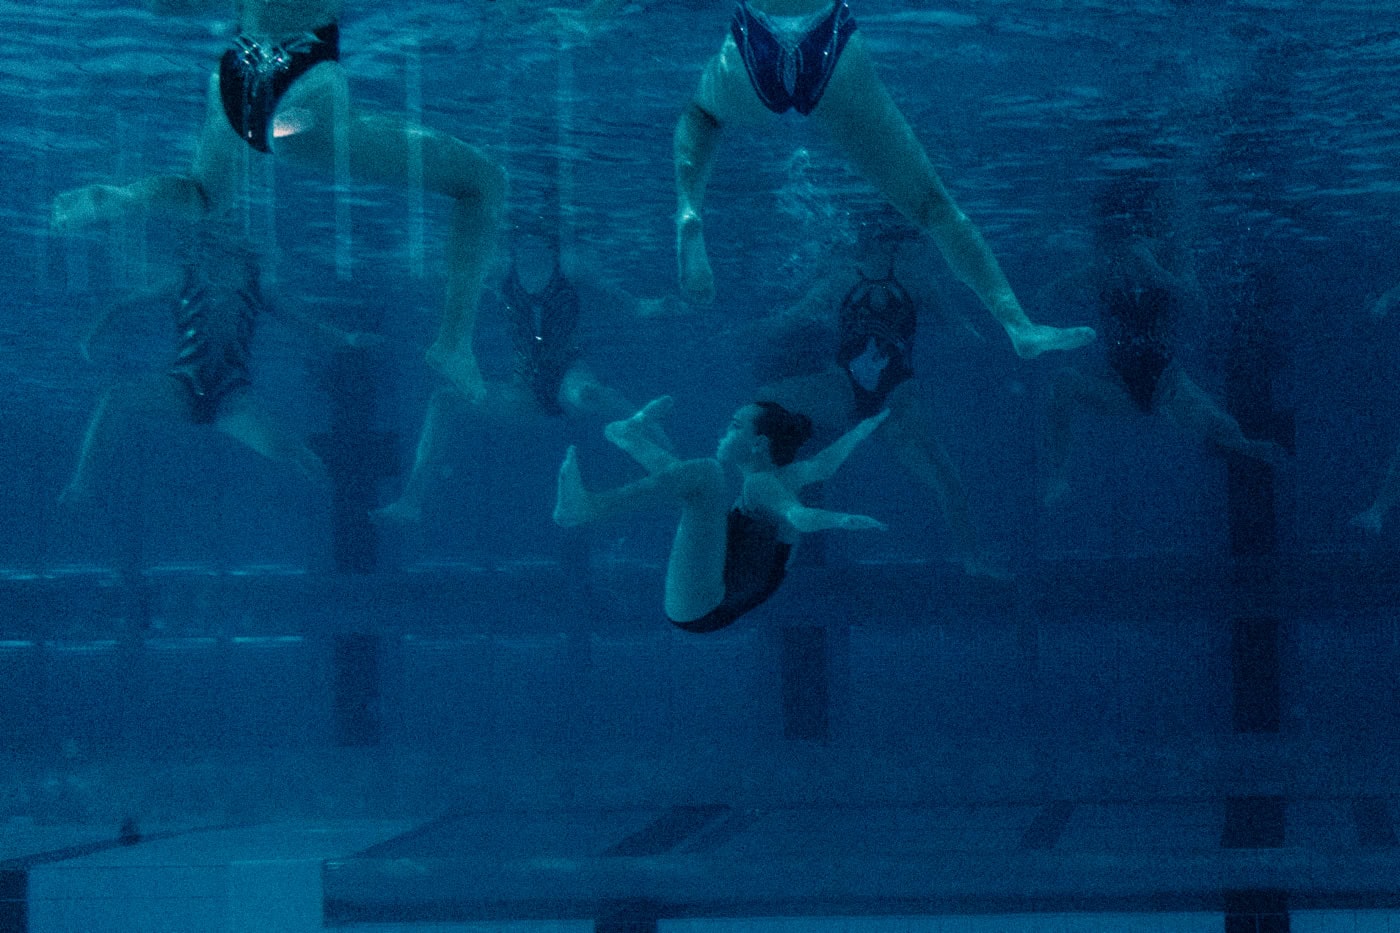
point(786, 431)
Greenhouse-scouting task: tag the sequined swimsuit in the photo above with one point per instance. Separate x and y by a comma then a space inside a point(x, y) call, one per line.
point(214, 326)
point(789, 68)
point(542, 326)
point(878, 320)
point(253, 76)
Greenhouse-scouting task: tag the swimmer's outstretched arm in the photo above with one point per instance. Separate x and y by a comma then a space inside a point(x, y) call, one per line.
point(767, 492)
point(585, 18)
point(824, 465)
point(315, 326)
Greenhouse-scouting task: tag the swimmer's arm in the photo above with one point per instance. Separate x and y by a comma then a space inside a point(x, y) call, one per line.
point(316, 327)
point(825, 464)
point(807, 520)
point(767, 493)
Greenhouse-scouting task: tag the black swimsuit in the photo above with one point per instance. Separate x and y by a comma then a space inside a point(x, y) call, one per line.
point(254, 75)
point(878, 319)
point(1136, 319)
point(755, 563)
point(542, 326)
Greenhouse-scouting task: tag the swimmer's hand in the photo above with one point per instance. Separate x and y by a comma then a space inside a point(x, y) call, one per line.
point(861, 523)
point(869, 425)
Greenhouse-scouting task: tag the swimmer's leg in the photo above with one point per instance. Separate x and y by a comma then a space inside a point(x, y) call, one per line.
point(158, 396)
point(909, 434)
point(1373, 518)
point(1196, 412)
point(220, 165)
point(242, 418)
point(1074, 390)
point(427, 459)
point(862, 118)
point(695, 568)
point(694, 144)
point(387, 149)
point(643, 436)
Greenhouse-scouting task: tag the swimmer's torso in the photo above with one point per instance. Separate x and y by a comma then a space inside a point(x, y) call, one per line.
point(286, 17)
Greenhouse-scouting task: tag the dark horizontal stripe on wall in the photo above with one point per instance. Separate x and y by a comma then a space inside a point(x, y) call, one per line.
point(1374, 828)
point(1254, 823)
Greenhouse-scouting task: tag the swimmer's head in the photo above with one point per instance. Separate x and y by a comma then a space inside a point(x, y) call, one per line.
point(785, 431)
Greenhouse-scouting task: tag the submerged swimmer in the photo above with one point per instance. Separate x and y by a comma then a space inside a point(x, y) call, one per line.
point(807, 56)
point(732, 545)
point(215, 299)
point(1140, 299)
point(548, 377)
point(873, 371)
point(280, 89)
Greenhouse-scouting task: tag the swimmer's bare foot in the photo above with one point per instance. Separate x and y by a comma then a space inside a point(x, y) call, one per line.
point(460, 369)
point(402, 512)
point(1031, 340)
point(82, 207)
point(639, 424)
point(76, 495)
point(573, 505)
point(697, 279)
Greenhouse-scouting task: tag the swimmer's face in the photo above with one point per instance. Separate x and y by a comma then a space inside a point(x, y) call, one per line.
point(739, 443)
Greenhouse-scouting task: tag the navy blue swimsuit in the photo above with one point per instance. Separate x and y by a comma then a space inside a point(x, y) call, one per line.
point(791, 74)
point(254, 75)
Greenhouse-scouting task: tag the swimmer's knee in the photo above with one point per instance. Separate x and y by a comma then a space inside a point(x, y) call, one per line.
point(700, 478)
point(936, 210)
point(705, 116)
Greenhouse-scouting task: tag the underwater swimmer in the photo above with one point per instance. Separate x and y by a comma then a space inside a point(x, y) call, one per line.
point(1140, 300)
point(548, 377)
point(873, 371)
point(808, 56)
point(280, 88)
point(730, 553)
point(215, 299)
